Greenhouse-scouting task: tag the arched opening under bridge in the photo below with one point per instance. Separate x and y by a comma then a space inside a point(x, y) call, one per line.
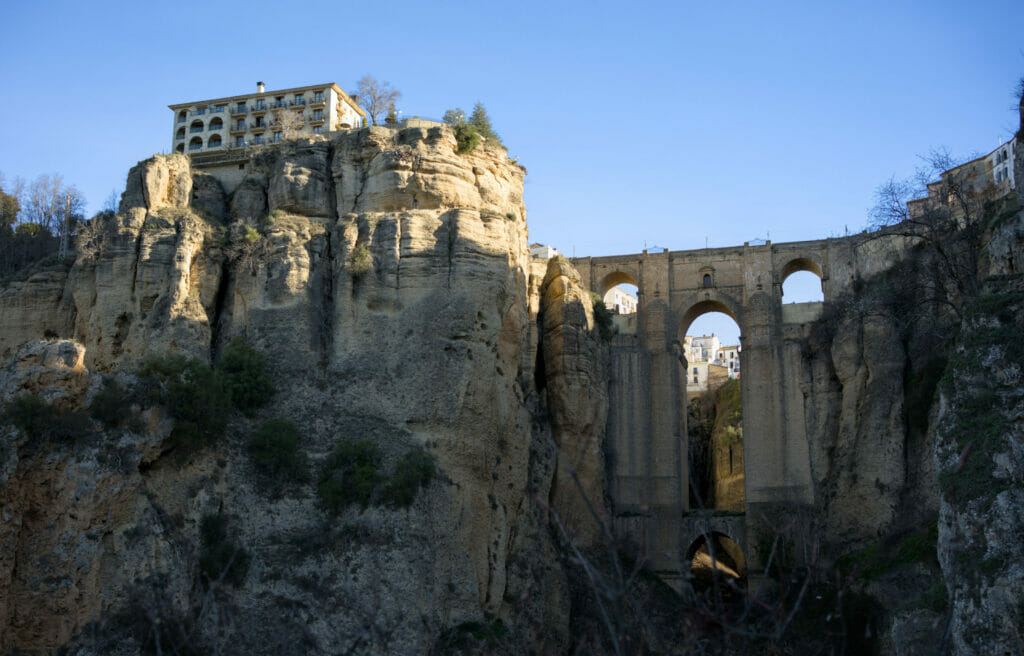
point(713, 556)
point(714, 411)
point(620, 295)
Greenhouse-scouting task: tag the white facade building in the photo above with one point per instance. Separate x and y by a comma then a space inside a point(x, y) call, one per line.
point(620, 302)
point(707, 360)
point(262, 117)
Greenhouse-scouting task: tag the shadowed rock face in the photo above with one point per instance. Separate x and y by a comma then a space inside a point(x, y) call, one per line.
point(387, 284)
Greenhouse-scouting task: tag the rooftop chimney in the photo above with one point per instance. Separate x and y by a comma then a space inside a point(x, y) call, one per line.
point(259, 87)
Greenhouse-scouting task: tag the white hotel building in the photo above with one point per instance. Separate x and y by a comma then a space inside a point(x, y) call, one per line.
point(262, 117)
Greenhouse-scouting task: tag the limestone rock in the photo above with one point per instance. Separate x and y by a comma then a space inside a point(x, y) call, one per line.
point(300, 182)
point(55, 371)
point(208, 197)
point(249, 201)
point(390, 296)
point(36, 308)
point(577, 399)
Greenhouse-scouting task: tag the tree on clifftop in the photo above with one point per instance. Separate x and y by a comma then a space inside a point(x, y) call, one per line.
point(376, 97)
point(482, 122)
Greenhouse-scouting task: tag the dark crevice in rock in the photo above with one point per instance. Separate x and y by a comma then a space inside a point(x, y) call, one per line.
point(219, 301)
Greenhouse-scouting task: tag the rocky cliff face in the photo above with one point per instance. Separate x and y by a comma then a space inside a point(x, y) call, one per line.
point(386, 278)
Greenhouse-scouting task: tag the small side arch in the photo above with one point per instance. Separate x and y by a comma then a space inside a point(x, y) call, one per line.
point(196, 126)
point(195, 143)
point(216, 124)
point(213, 142)
point(180, 148)
point(718, 551)
point(803, 286)
point(800, 264)
point(180, 134)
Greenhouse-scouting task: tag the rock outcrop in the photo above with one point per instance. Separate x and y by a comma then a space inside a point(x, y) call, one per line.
point(385, 277)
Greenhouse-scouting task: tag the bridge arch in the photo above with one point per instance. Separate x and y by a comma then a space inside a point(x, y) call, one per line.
point(704, 302)
point(615, 278)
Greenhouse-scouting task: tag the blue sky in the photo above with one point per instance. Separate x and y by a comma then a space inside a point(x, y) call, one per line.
point(667, 124)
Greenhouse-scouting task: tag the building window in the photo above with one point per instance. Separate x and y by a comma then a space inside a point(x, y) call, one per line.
point(277, 137)
point(261, 104)
point(195, 144)
point(216, 124)
point(258, 139)
point(318, 130)
point(695, 378)
point(259, 122)
point(299, 100)
point(180, 134)
point(318, 97)
point(240, 107)
point(214, 141)
point(181, 116)
point(239, 141)
point(197, 126)
point(240, 125)
point(219, 109)
point(318, 114)
point(707, 280)
point(180, 148)
point(695, 371)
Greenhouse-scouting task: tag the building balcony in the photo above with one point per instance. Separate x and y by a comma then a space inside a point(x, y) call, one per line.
point(257, 109)
point(298, 104)
point(194, 130)
point(217, 110)
point(198, 112)
point(258, 128)
point(316, 121)
point(238, 129)
point(237, 111)
point(318, 102)
point(195, 147)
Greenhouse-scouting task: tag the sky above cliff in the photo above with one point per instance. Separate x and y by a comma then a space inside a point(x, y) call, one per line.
point(674, 125)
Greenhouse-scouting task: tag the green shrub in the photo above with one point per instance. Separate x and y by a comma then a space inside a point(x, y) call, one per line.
point(112, 405)
point(602, 318)
point(467, 138)
point(275, 450)
point(193, 395)
point(246, 378)
point(362, 260)
point(351, 474)
point(250, 235)
point(220, 558)
point(40, 420)
point(414, 470)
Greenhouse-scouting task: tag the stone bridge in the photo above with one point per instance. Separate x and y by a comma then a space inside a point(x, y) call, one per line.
point(646, 430)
